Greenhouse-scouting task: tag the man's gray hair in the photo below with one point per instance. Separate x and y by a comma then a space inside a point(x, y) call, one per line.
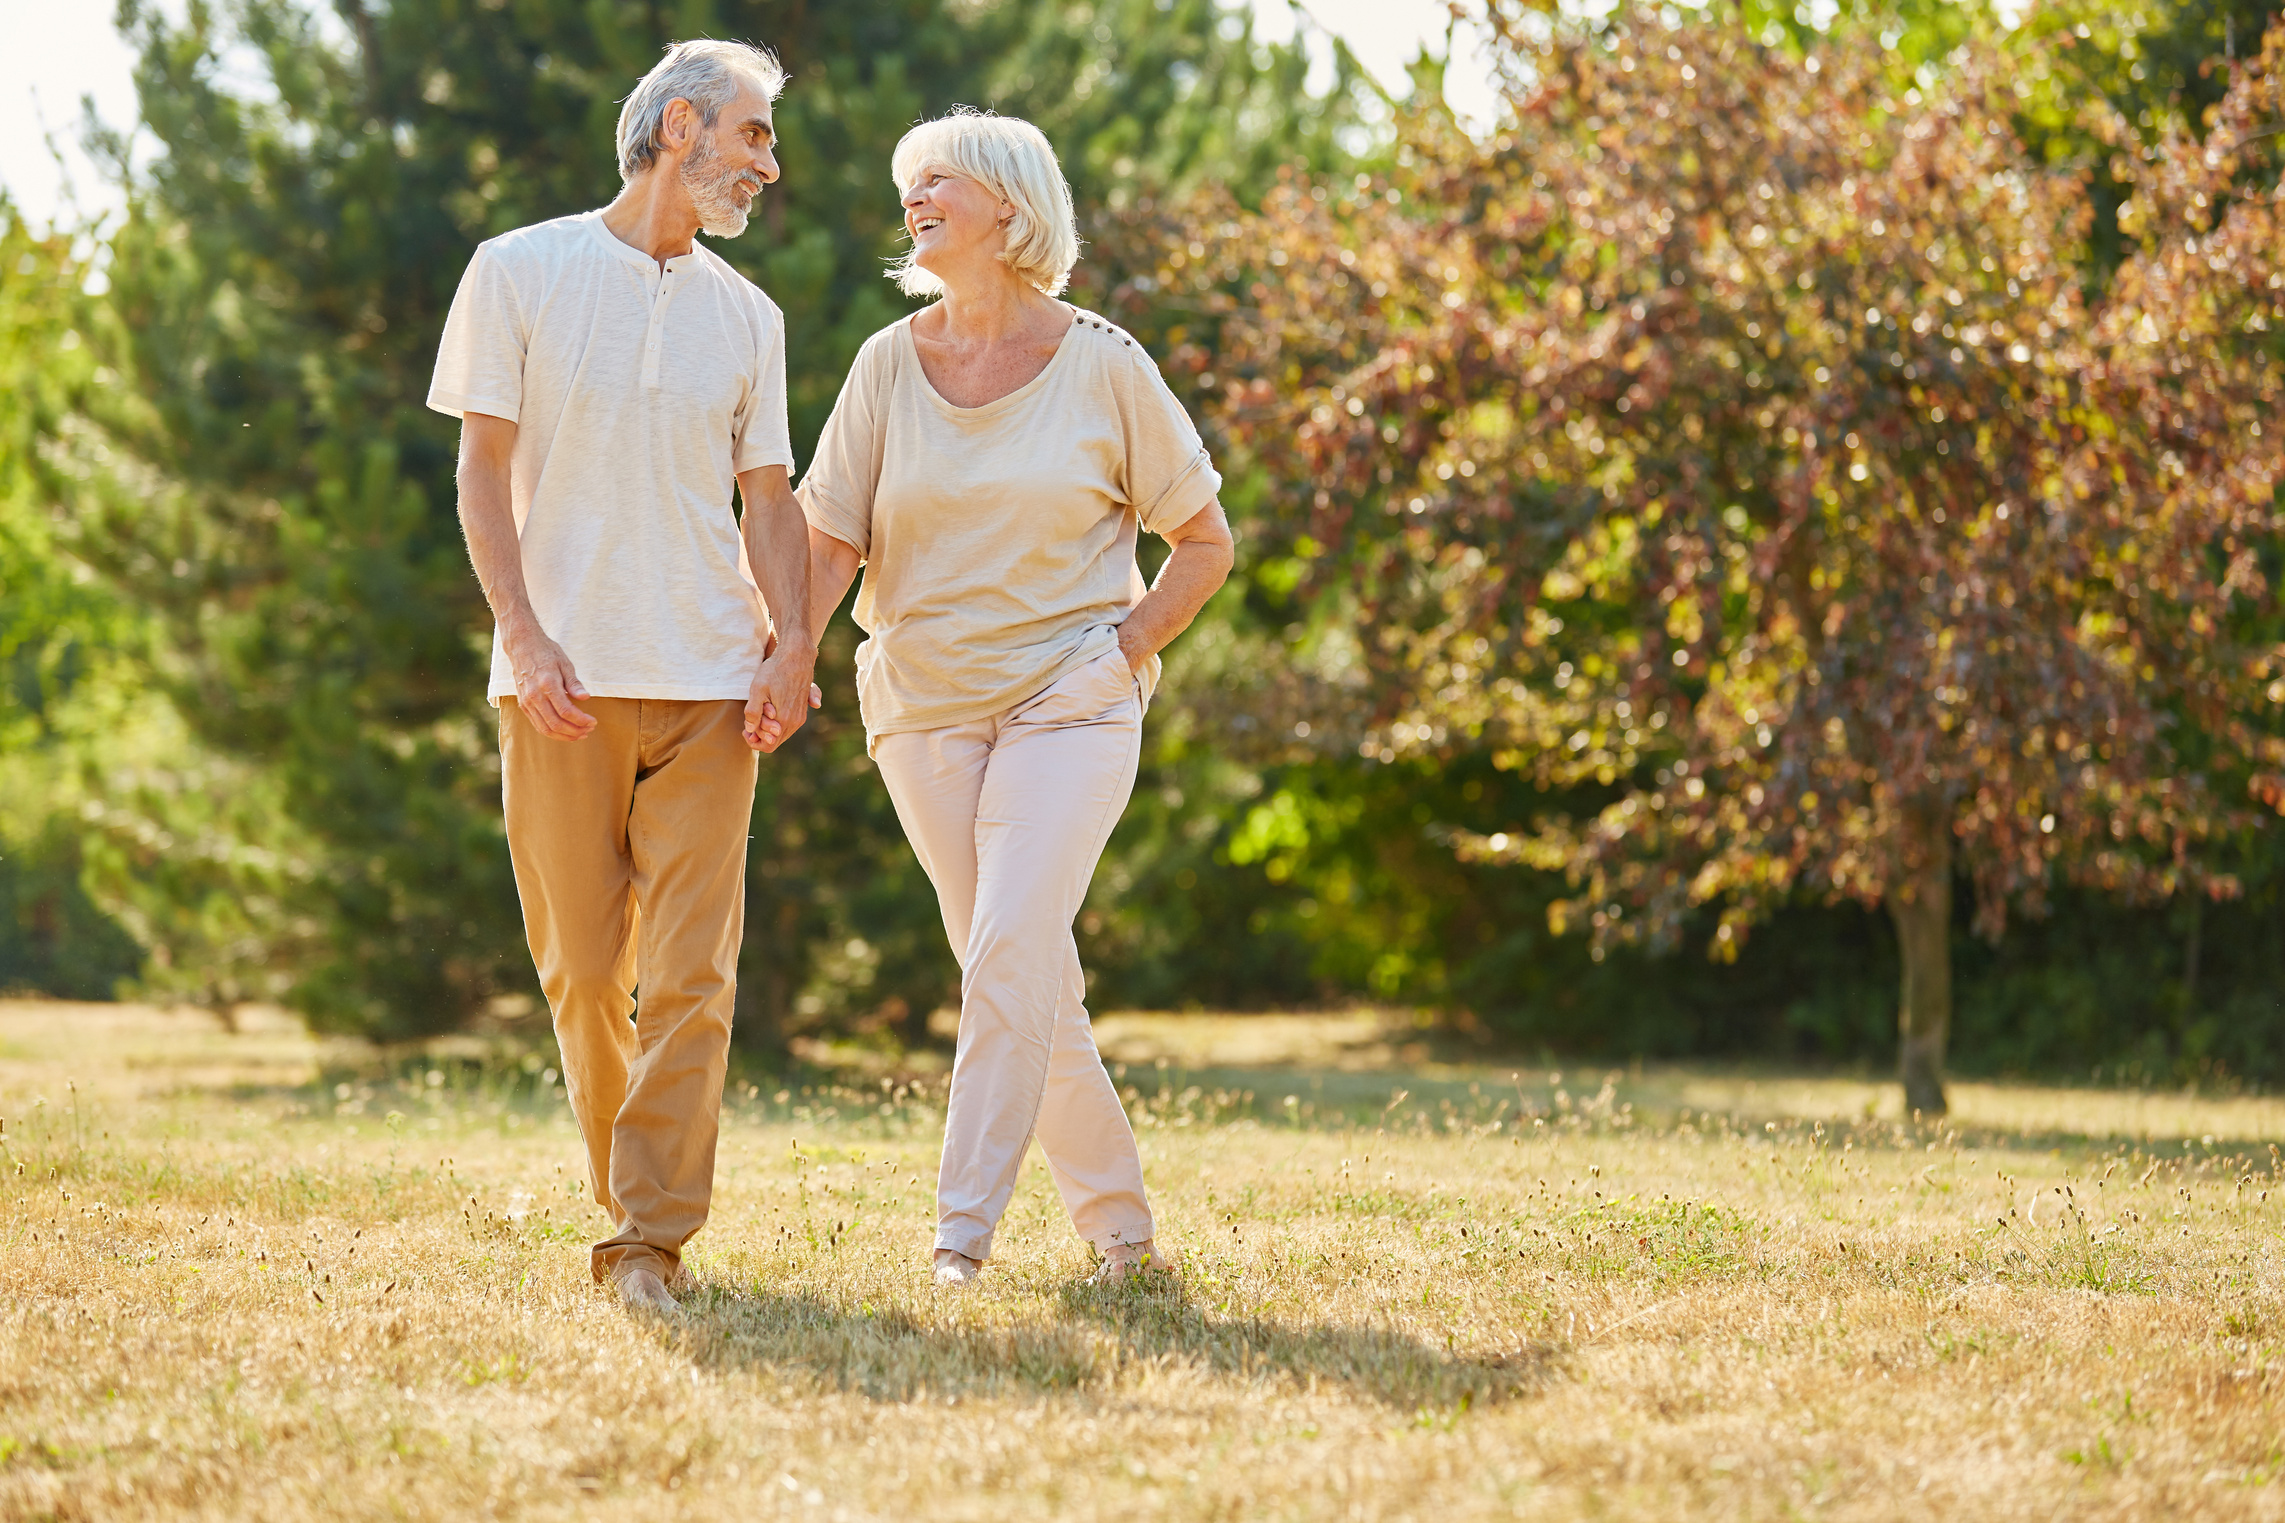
point(708, 74)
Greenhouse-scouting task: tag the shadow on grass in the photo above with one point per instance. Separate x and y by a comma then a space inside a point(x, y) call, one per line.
point(1090, 1340)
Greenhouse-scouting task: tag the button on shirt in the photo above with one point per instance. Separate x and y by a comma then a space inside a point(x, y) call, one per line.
point(638, 395)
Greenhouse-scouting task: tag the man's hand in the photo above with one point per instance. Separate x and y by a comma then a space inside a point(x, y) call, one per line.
point(777, 543)
point(781, 697)
point(546, 687)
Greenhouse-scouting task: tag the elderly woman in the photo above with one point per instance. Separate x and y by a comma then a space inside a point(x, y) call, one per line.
point(989, 462)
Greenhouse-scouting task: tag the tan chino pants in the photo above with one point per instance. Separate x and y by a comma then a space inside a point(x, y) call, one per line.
point(630, 854)
point(1008, 816)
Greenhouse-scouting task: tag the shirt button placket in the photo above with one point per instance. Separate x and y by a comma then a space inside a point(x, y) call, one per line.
point(653, 337)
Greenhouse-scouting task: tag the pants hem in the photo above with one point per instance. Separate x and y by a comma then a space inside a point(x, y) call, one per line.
point(977, 1246)
point(613, 1264)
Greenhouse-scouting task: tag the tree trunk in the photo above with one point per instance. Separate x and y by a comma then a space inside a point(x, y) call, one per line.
point(2190, 952)
point(1920, 902)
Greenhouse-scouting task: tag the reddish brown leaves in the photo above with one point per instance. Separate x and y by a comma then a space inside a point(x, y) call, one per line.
point(1734, 434)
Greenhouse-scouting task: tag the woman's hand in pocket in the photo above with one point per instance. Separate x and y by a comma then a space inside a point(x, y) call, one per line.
point(1132, 651)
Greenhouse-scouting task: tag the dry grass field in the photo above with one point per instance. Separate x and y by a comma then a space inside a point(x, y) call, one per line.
point(252, 1276)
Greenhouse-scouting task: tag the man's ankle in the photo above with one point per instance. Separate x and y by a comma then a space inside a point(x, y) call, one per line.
point(642, 1290)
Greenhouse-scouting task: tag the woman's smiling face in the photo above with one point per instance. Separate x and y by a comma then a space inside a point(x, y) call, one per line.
point(951, 220)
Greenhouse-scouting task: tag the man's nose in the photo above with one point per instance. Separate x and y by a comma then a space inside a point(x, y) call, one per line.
point(767, 167)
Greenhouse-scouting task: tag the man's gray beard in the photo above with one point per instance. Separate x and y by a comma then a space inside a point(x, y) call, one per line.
point(709, 184)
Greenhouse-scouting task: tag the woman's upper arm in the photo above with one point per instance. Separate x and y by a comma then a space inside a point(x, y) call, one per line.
point(1208, 526)
point(837, 490)
point(836, 553)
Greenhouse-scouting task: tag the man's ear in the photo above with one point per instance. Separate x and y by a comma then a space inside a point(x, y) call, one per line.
point(675, 123)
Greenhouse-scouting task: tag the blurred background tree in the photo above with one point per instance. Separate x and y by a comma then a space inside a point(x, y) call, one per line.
point(1720, 445)
point(68, 648)
point(256, 741)
point(259, 477)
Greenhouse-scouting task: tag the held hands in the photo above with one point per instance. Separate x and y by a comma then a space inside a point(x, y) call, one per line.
point(547, 688)
point(774, 704)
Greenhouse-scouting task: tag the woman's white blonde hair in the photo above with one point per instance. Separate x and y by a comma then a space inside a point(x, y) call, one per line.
point(1014, 161)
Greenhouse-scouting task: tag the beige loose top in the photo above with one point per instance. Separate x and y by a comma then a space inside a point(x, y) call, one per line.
point(998, 541)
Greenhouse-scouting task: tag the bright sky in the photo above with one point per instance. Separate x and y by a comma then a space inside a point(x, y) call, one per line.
point(58, 51)
point(1386, 36)
point(61, 50)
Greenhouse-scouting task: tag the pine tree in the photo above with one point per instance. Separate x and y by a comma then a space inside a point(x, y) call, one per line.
point(265, 480)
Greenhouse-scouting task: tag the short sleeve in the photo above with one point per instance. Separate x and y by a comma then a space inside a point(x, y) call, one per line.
point(836, 493)
point(761, 438)
point(480, 360)
point(1170, 479)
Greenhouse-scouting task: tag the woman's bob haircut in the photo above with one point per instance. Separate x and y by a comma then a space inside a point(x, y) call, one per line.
point(1014, 161)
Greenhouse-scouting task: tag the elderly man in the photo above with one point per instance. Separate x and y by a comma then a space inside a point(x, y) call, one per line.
point(612, 378)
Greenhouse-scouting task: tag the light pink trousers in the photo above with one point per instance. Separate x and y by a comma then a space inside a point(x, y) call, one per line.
point(1008, 816)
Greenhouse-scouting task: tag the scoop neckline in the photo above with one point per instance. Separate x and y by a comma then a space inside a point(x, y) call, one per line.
point(1063, 346)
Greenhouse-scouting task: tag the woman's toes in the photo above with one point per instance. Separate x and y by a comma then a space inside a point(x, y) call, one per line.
point(956, 1271)
point(1127, 1261)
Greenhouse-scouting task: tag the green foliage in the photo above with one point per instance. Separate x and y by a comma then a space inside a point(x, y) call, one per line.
point(257, 733)
point(262, 478)
point(61, 640)
point(54, 939)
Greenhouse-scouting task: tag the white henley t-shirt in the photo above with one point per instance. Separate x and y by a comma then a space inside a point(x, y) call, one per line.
point(638, 396)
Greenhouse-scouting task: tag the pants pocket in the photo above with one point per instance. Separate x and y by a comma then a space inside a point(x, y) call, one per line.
point(1146, 681)
point(1143, 683)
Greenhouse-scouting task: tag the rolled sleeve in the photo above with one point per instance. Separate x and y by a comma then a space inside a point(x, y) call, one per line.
point(480, 359)
point(1188, 495)
point(1170, 478)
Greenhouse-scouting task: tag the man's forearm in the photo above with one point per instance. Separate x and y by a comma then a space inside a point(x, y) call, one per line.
point(777, 543)
point(488, 519)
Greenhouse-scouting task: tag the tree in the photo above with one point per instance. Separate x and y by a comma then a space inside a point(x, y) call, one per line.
point(63, 644)
point(1730, 437)
point(263, 478)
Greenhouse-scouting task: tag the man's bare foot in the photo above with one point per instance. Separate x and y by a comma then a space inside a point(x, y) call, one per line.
point(641, 1290)
point(955, 1270)
point(1129, 1261)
